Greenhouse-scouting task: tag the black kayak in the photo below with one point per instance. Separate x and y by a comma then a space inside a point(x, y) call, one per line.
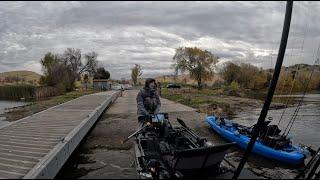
point(166, 152)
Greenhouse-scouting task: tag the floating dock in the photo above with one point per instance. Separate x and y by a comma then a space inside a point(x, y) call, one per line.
point(38, 146)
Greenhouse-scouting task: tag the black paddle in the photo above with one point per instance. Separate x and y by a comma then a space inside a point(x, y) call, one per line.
point(181, 122)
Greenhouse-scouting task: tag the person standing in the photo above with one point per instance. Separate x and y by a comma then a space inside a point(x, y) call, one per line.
point(159, 87)
point(148, 101)
point(122, 89)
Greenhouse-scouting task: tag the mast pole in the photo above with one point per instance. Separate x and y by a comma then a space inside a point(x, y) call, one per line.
point(272, 87)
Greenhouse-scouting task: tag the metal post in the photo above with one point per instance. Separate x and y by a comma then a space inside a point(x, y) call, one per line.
point(264, 111)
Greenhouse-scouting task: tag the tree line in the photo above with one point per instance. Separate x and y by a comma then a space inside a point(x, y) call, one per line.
point(63, 70)
point(246, 75)
point(200, 65)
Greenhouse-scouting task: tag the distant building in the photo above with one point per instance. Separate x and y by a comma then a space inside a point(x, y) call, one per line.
point(101, 84)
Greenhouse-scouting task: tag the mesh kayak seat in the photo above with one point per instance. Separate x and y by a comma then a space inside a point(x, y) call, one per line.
point(200, 158)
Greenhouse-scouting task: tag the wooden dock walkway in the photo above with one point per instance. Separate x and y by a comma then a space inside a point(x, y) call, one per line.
point(38, 146)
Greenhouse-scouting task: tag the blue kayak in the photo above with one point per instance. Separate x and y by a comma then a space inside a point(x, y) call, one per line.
point(293, 155)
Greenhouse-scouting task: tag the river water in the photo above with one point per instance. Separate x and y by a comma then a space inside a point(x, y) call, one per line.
point(306, 127)
point(305, 130)
point(8, 104)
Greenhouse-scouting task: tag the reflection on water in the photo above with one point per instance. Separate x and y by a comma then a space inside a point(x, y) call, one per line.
point(8, 104)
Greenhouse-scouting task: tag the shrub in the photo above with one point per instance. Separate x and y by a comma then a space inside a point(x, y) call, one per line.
point(234, 86)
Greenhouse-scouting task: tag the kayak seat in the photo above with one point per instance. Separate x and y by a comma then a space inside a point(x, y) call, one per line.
point(200, 158)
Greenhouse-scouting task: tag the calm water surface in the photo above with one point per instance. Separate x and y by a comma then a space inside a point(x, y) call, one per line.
point(8, 104)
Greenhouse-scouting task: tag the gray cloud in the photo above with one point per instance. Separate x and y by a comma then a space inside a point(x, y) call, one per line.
point(125, 33)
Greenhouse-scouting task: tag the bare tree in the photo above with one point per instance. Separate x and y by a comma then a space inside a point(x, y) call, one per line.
point(72, 59)
point(91, 63)
point(65, 69)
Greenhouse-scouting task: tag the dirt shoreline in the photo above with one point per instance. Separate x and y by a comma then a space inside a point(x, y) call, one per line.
point(101, 154)
point(215, 102)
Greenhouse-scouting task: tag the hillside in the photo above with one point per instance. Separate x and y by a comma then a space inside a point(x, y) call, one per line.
point(302, 67)
point(299, 67)
point(14, 77)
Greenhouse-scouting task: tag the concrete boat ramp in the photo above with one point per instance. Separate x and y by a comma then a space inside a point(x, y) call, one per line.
point(37, 146)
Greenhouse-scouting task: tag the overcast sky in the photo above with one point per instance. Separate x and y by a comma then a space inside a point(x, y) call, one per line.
point(125, 33)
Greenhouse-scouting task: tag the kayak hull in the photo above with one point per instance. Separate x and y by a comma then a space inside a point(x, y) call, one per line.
point(293, 155)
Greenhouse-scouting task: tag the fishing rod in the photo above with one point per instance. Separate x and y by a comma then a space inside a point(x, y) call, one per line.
point(314, 168)
point(294, 78)
point(135, 133)
point(293, 119)
point(186, 128)
point(275, 77)
point(148, 119)
point(310, 169)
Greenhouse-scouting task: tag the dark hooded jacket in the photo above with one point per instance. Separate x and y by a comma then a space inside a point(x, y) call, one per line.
point(148, 101)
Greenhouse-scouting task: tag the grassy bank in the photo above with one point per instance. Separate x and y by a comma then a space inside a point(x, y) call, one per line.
point(16, 92)
point(210, 101)
point(218, 102)
point(41, 105)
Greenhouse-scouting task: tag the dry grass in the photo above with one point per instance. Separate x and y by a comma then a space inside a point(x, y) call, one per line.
point(211, 101)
